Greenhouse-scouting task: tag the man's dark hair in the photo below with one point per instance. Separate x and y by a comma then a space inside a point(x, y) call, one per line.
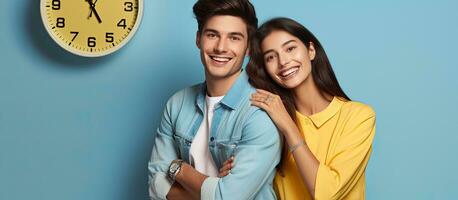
point(205, 9)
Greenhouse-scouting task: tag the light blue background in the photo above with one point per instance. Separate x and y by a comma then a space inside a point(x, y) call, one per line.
point(78, 128)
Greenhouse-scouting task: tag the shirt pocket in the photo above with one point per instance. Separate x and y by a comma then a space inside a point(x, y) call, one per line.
point(182, 145)
point(225, 150)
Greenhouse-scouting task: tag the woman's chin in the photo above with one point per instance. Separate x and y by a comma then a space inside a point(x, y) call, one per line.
point(290, 84)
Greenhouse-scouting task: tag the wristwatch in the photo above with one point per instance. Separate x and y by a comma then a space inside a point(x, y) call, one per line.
point(174, 169)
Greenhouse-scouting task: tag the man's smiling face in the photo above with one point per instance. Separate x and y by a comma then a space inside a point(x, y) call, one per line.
point(223, 45)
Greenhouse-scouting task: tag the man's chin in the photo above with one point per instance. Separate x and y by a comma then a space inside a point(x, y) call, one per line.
point(219, 75)
point(220, 72)
point(216, 76)
point(217, 71)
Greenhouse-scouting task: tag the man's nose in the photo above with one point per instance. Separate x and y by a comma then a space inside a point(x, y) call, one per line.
point(221, 46)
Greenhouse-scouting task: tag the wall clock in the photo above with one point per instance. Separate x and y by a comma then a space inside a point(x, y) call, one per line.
point(91, 28)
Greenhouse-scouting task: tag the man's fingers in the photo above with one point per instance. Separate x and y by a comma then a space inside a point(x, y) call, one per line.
point(226, 167)
point(223, 174)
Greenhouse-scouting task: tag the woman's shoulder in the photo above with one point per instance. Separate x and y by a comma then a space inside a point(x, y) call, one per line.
point(358, 119)
point(357, 109)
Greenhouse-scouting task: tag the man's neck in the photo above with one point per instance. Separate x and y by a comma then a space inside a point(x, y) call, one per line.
point(219, 87)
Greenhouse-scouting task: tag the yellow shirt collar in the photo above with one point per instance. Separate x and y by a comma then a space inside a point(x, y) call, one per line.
point(318, 119)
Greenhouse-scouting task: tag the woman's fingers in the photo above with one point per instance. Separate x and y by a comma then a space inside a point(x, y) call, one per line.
point(266, 100)
point(258, 95)
point(260, 104)
point(263, 95)
point(263, 92)
point(258, 98)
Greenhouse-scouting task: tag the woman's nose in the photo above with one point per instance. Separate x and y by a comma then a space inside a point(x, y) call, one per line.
point(283, 59)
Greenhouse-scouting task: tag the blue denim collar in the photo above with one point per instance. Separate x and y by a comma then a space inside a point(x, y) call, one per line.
point(232, 97)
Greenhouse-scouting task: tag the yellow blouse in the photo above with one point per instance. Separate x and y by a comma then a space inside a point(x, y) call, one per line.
point(341, 138)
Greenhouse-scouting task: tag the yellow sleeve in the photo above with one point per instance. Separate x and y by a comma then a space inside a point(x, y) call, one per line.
point(337, 178)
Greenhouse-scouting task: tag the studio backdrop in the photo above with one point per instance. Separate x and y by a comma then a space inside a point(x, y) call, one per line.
point(74, 128)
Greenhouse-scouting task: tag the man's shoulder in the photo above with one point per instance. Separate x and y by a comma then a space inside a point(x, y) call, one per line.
point(251, 113)
point(255, 119)
point(185, 94)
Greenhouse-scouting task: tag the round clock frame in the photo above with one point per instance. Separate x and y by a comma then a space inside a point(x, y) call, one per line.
point(90, 50)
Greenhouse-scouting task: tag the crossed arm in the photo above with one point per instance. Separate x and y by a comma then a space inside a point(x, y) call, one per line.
point(187, 184)
point(258, 153)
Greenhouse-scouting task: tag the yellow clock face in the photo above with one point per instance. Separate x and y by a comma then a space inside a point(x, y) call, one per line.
point(91, 27)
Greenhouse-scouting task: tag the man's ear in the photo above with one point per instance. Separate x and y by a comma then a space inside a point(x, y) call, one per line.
point(198, 39)
point(248, 49)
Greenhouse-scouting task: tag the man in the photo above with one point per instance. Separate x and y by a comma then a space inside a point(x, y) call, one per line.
point(207, 124)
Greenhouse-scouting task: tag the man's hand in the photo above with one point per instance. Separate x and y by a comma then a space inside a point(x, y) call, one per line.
point(226, 168)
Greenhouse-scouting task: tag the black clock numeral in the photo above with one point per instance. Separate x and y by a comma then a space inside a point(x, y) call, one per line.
point(91, 42)
point(60, 22)
point(128, 6)
point(122, 23)
point(76, 34)
point(109, 37)
point(56, 4)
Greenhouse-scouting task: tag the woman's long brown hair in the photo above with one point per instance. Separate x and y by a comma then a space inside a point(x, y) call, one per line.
point(322, 72)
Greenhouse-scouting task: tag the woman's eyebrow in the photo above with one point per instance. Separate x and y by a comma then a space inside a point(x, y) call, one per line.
point(284, 44)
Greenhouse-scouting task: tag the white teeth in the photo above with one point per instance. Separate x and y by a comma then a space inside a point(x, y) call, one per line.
point(289, 72)
point(220, 59)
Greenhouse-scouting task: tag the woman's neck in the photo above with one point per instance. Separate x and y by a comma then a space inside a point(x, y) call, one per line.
point(308, 98)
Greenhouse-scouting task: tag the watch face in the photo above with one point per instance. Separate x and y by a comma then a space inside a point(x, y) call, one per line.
point(174, 167)
point(91, 27)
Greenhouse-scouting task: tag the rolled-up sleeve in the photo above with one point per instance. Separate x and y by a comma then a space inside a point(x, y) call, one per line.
point(257, 155)
point(336, 178)
point(209, 187)
point(162, 154)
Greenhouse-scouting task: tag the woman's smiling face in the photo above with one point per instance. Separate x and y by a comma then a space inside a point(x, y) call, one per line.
point(287, 59)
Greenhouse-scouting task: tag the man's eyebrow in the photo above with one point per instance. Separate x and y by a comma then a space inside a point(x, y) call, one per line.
point(210, 30)
point(237, 34)
point(284, 44)
point(231, 33)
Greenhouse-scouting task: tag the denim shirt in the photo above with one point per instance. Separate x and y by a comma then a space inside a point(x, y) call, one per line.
point(238, 129)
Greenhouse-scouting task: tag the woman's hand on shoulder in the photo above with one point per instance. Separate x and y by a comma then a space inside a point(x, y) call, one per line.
point(274, 106)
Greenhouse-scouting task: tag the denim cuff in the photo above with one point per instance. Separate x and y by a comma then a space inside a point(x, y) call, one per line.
point(208, 189)
point(160, 186)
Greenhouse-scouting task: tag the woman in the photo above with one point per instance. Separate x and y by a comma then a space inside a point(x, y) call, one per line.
point(328, 137)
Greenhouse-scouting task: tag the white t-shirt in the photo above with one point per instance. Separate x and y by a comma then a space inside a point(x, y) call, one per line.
point(199, 153)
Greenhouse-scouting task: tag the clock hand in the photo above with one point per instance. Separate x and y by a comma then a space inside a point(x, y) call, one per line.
point(92, 7)
point(95, 12)
point(90, 10)
point(97, 15)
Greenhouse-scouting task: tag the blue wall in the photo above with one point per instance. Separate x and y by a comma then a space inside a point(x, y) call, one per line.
point(77, 128)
